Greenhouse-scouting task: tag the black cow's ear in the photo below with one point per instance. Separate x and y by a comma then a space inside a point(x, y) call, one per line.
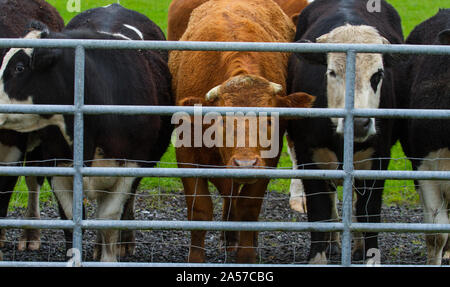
point(44, 58)
point(312, 58)
point(444, 37)
point(392, 60)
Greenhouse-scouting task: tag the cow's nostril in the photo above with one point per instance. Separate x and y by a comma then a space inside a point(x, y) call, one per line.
point(245, 163)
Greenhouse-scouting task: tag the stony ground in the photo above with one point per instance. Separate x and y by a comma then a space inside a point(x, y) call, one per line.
point(172, 246)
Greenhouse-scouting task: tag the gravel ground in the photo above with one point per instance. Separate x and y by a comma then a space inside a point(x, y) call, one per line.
point(172, 246)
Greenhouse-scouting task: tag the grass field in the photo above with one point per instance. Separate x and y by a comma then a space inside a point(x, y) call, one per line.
point(396, 192)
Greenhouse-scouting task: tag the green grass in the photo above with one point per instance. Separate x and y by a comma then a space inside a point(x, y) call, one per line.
point(412, 12)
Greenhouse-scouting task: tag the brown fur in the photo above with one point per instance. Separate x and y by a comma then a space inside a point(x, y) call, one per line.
point(243, 79)
point(180, 11)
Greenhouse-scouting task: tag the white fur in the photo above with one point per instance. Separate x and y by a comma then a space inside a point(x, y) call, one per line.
point(366, 66)
point(117, 35)
point(297, 199)
point(111, 194)
point(435, 197)
point(9, 154)
point(136, 30)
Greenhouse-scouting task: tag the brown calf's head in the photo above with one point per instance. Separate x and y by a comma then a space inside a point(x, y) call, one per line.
point(251, 140)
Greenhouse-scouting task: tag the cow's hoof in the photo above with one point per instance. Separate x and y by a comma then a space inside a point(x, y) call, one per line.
point(30, 239)
point(228, 241)
point(1, 256)
point(127, 249)
point(319, 259)
point(358, 255)
point(2, 238)
point(246, 255)
point(446, 254)
point(298, 204)
point(97, 252)
point(334, 249)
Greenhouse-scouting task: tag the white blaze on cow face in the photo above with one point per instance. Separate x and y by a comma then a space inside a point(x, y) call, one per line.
point(24, 122)
point(369, 75)
point(5, 99)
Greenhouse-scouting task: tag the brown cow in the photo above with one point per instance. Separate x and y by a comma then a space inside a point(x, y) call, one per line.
point(180, 11)
point(240, 79)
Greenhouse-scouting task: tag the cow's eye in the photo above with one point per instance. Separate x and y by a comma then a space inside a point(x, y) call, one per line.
point(331, 73)
point(376, 78)
point(20, 67)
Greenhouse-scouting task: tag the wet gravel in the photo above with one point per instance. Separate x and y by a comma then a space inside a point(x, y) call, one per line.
point(173, 246)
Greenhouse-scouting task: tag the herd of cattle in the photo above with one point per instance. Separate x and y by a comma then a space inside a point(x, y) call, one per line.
point(239, 79)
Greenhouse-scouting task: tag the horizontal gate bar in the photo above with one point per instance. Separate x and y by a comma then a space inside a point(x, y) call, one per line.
point(36, 224)
point(223, 173)
point(224, 46)
point(170, 110)
point(226, 226)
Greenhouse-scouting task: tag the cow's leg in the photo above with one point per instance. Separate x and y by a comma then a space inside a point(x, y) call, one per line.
point(447, 246)
point(127, 237)
point(7, 184)
point(248, 207)
point(31, 238)
point(229, 190)
point(297, 199)
point(334, 246)
point(320, 207)
point(63, 190)
point(435, 211)
point(368, 210)
point(199, 208)
point(110, 206)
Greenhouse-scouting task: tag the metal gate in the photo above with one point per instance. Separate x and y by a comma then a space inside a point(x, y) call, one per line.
point(346, 226)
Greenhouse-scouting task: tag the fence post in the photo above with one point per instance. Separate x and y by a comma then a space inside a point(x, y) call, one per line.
point(348, 158)
point(78, 152)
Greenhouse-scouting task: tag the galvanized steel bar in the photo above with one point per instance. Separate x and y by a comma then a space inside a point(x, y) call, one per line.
point(78, 149)
point(170, 110)
point(226, 226)
point(223, 173)
point(225, 46)
point(33, 224)
point(348, 158)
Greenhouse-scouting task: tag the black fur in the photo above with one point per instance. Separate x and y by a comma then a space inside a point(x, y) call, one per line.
point(426, 85)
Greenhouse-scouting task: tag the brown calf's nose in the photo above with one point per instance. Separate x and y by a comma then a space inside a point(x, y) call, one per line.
point(245, 163)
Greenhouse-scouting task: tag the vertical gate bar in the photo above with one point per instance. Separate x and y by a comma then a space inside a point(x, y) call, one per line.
point(78, 153)
point(348, 157)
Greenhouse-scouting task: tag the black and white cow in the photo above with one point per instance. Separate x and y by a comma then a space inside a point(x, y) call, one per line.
point(14, 18)
point(426, 85)
point(320, 141)
point(113, 77)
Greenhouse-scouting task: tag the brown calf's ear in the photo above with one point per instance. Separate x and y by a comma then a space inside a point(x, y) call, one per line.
point(191, 101)
point(296, 100)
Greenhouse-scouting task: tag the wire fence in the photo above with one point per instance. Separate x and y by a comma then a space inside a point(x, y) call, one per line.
point(345, 225)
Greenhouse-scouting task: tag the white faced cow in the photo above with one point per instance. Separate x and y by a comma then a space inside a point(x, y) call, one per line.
point(319, 142)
